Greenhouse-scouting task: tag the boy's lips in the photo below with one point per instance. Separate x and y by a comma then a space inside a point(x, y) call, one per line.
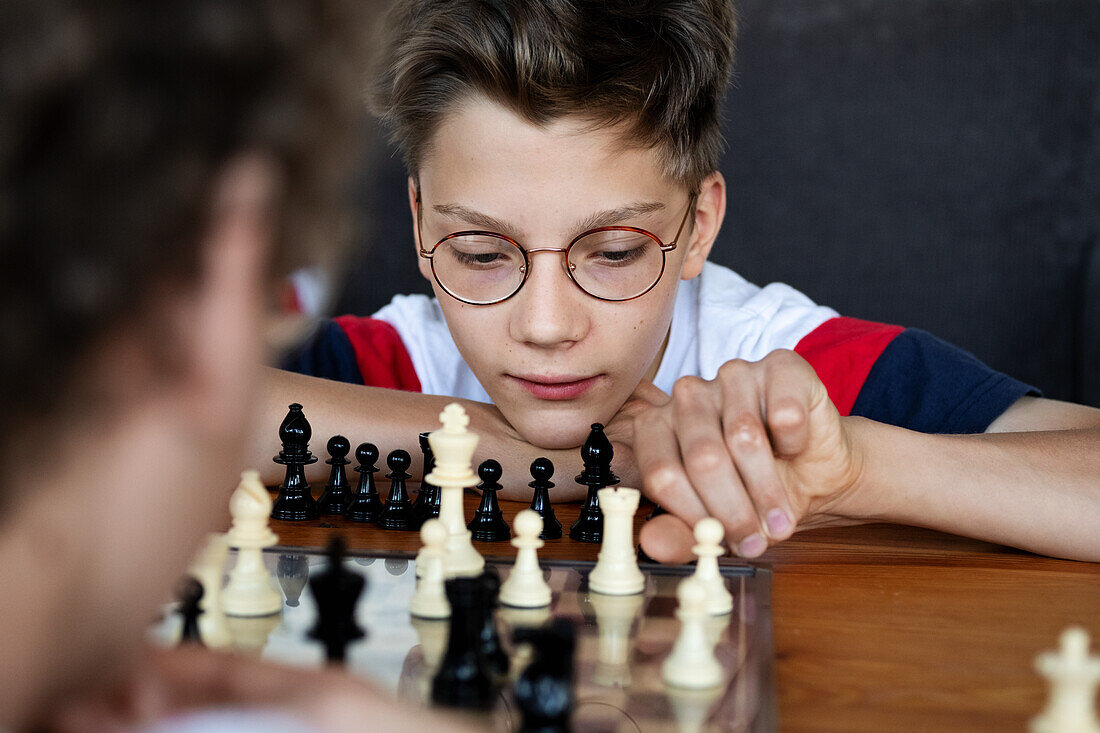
point(555, 388)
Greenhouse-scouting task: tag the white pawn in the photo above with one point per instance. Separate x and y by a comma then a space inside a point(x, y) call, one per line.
point(525, 586)
point(453, 446)
point(1074, 675)
point(692, 663)
point(616, 572)
point(208, 568)
point(708, 546)
point(429, 600)
point(250, 591)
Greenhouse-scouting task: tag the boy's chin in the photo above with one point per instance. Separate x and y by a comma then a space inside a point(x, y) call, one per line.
point(553, 430)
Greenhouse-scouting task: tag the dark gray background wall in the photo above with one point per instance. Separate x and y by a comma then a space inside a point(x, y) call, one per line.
point(932, 163)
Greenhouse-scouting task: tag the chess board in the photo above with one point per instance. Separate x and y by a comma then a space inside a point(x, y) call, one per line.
point(621, 642)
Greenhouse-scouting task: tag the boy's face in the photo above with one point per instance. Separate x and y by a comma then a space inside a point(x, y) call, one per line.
point(552, 358)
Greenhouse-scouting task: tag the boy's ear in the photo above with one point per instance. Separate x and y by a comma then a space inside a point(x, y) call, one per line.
point(710, 210)
point(424, 265)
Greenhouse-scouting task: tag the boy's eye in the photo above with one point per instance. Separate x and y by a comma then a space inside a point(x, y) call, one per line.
point(612, 249)
point(481, 252)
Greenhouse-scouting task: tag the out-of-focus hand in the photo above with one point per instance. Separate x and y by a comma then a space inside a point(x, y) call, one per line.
point(191, 679)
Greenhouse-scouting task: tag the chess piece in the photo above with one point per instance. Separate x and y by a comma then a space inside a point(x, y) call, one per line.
point(249, 634)
point(525, 586)
point(250, 591)
point(491, 650)
point(429, 600)
point(463, 680)
point(453, 446)
point(209, 569)
point(398, 511)
point(189, 594)
point(366, 504)
point(616, 572)
point(336, 590)
point(544, 690)
point(426, 505)
point(692, 663)
point(596, 454)
point(432, 634)
point(708, 546)
point(292, 572)
point(615, 617)
point(488, 524)
point(1073, 674)
point(541, 472)
point(335, 498)
point(691, 708)
point(295, 502)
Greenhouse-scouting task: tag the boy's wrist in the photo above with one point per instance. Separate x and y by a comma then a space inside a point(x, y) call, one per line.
point(859, 498)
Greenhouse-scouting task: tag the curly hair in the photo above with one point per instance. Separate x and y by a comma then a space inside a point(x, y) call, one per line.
point(661, 67)
point(115, 118)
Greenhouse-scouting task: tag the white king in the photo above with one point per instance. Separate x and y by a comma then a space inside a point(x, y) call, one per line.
point(453, 446)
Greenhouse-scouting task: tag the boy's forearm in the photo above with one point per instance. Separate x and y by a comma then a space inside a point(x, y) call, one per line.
point(393, 419)
point(1039, 491)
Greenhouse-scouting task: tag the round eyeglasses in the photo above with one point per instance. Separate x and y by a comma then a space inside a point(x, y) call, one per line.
point(612, 263)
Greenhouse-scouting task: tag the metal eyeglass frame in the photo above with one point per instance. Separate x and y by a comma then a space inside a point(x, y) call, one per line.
point(525, 269)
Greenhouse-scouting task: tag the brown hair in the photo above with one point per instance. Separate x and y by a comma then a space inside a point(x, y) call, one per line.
point(660, 67)
point(115, 118)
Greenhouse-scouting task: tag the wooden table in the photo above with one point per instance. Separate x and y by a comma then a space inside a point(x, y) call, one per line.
point(879, 628)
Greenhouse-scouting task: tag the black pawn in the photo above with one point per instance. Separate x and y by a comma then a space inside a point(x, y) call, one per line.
point(190, 595)
point(541, 471)
point(544, 691)
point(596, 453)
point(488, 524)
point(295, 502)
point(491, 649)
point(426, 505)
point(366, 504)
point(463, 679)
point(398, 511)
point(335, 498)
point(336, 591)
point(292, 572)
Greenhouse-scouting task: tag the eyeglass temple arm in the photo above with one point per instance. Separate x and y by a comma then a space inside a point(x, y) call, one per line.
point(675, 240)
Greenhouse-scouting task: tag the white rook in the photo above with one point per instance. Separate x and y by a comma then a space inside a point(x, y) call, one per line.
point(616, 572)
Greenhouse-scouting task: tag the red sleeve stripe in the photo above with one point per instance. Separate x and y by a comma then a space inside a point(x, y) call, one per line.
point(381, 355)
point(842, 352)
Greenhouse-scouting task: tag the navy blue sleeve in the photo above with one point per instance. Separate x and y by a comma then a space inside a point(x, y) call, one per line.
point(923, 383)
point(327, 354)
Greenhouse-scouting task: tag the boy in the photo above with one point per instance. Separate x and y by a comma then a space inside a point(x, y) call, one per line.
point(562, 183)
point(146, 152)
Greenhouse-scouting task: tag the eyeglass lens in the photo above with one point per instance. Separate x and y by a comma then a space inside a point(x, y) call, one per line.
point(613, 264)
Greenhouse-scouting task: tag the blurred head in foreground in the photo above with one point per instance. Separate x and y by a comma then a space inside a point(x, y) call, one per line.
point(155, 162)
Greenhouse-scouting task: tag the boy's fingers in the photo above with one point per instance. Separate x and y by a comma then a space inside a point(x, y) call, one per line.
point(667, 539)
point(789, 395)
point(707, 459)
point(748, 443)
point(663, 479)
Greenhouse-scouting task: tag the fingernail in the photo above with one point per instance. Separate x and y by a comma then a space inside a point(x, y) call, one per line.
point(778, 523)
point(752, 546)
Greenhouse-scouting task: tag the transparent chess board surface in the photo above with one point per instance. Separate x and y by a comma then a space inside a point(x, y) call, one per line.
point(621, 642)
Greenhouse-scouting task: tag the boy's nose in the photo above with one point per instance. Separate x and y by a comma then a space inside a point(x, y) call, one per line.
point(549, 309)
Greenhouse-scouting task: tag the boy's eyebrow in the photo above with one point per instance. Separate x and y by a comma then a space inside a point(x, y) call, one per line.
point(611, 217)
point(607, 217)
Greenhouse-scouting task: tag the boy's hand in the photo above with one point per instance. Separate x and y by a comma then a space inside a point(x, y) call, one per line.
point(760, 447)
